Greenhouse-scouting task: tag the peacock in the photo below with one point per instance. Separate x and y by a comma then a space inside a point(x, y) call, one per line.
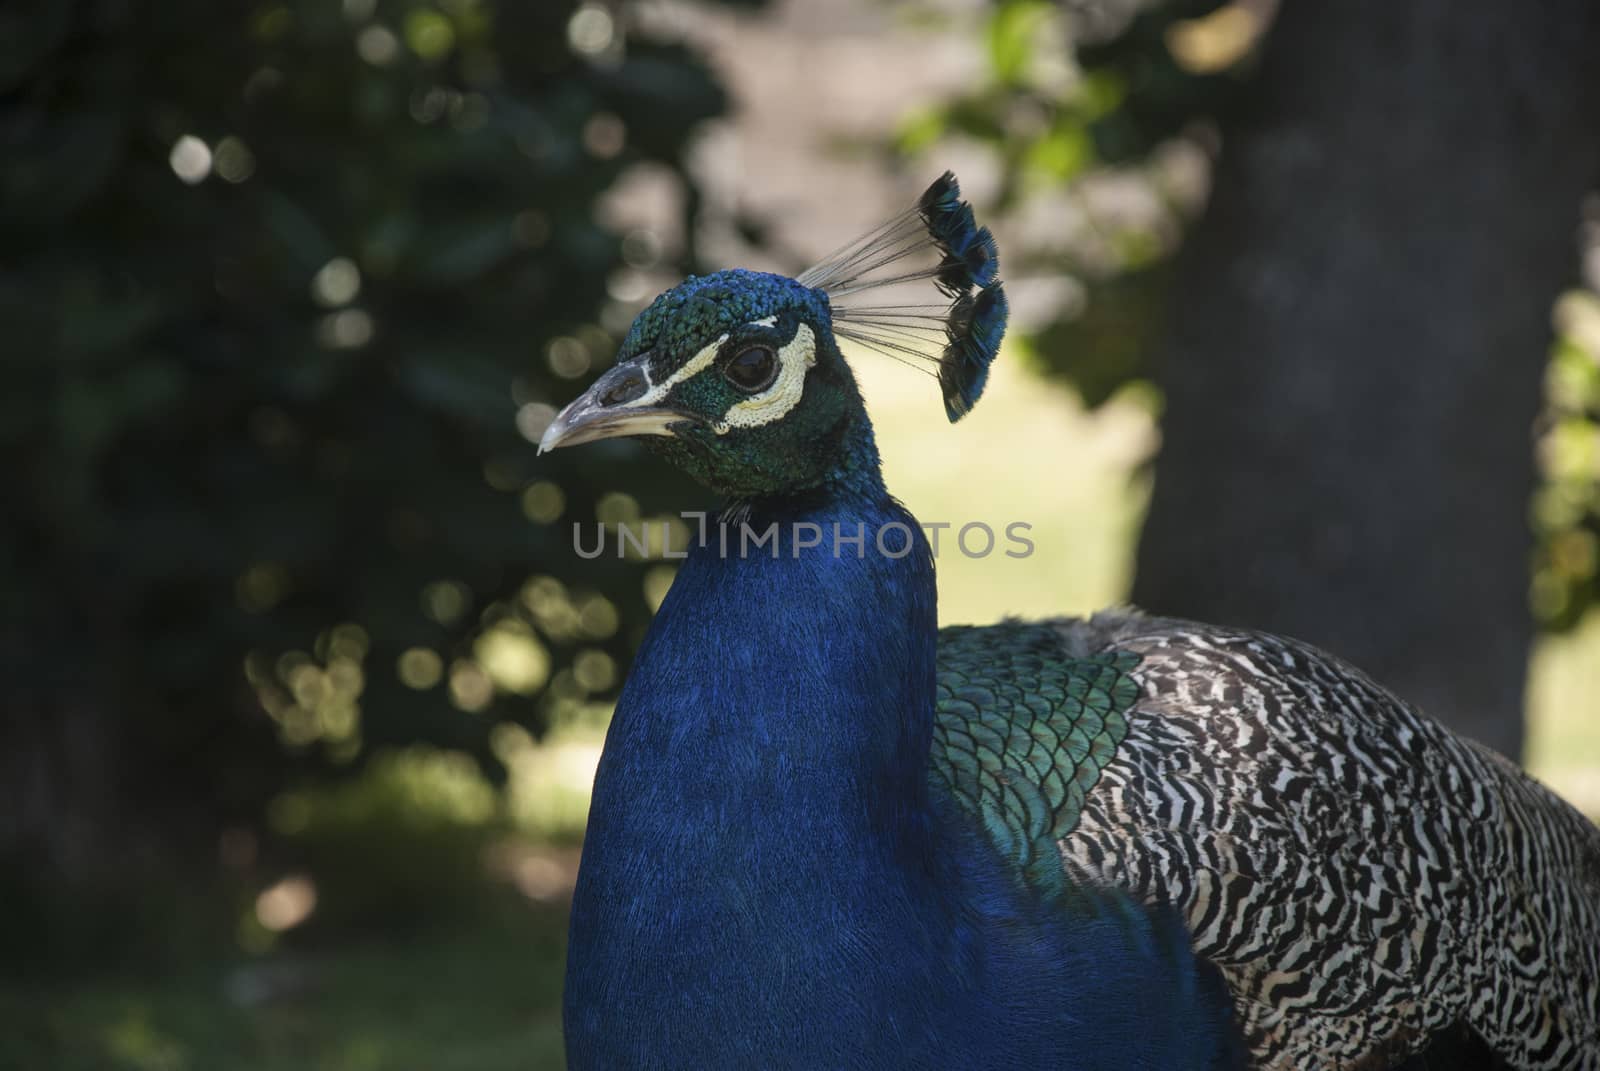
point(826, 833)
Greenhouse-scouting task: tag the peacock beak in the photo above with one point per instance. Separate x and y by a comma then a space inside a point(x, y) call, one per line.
point(619, 403)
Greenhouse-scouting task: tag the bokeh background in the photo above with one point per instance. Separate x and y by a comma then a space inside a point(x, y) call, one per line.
point(301, 684)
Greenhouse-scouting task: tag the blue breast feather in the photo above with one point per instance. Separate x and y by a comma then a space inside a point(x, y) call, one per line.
point(771, 879)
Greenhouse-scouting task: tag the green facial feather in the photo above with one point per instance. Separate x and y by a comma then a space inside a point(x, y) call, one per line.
point(696, 311)
point(1022, 733)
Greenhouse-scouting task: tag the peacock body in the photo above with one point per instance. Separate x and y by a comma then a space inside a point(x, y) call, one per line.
point(771, 880)
point(1367, 882)
point(826, 833)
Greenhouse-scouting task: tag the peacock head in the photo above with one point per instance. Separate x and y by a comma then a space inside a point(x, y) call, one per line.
point(738, 377)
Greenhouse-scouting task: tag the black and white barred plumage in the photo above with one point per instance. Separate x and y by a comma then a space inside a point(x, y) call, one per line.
point(1364, 878)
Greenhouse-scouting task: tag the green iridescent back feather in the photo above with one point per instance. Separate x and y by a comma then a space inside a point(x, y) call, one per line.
point(1021, 734)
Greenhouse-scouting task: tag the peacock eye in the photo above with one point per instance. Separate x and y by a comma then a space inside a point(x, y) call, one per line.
point(753, 369)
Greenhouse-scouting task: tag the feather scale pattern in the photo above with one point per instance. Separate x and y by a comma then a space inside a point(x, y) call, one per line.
point(1020, 736)
point(1364, 879)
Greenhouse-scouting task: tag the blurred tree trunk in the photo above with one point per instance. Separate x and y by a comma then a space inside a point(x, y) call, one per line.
point(1360, 324)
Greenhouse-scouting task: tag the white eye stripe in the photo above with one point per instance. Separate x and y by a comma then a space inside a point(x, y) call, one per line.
point(794, 361)
point(692, 367)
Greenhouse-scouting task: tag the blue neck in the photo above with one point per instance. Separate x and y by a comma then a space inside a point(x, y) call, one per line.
point(766, 881)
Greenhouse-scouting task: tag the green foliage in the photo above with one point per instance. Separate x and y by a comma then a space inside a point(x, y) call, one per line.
point(1120, 328)
point(1011, 37)
point(1062, 112)
point(280, 284)
point(480, 998)
point(1566, 508)
point(1154, 95)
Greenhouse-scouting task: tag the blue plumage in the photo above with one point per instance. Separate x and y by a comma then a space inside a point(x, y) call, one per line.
point(970, 256)
point(977, 324)
point(977, 257)
point(941, 198)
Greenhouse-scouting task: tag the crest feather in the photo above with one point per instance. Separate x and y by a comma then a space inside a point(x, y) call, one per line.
point(956, 339)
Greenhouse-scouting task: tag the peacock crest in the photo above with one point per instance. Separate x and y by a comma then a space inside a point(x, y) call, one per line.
point(939, 241)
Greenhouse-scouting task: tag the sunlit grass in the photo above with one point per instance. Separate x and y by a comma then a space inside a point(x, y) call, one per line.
point(1028, 453)
point(1563, 746)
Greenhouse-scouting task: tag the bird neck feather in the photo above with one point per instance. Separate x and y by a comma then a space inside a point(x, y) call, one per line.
point(801, 675)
